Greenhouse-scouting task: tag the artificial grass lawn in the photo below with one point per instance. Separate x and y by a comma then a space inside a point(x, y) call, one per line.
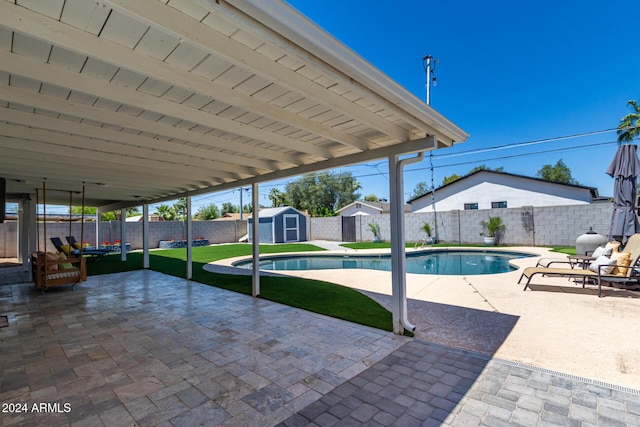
point(317, 296)
point(569, 250)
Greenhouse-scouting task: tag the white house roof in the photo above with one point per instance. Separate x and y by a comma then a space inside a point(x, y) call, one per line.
point(593, 191)
point(150, 100)
point(381, 207)
point(372, 205)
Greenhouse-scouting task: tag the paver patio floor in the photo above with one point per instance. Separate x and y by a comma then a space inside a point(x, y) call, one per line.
point(142, 348)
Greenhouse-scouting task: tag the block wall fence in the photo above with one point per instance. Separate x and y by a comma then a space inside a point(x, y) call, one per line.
point(214, 231)
point(528, 226)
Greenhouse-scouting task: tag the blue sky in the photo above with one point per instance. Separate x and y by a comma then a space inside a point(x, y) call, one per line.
point(509, 72)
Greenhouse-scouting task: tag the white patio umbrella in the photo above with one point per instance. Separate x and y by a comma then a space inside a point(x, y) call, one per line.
point(625, 168)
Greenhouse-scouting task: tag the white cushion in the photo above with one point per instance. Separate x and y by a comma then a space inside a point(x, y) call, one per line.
point(600, 251)
point(604, 261)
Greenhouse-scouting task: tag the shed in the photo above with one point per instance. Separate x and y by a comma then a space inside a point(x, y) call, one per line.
point(280, 225)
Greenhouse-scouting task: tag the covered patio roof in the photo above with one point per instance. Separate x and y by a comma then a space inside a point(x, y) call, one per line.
point(151, 100)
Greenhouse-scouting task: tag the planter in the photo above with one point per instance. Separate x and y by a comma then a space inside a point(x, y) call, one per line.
point(376, 239)
point(175, 244)
point(489, 241)
point(430, 240)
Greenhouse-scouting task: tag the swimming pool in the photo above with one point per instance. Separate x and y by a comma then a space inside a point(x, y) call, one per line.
point(446, 262)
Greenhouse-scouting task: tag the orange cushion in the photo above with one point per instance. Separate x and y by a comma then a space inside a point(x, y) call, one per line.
point(614, 245)
point(51, 257)
point(623, 259)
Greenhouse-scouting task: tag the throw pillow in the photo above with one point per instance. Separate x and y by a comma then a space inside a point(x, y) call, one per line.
point(614, 245)
point(623, 259)
point(66, 249)
point(600, 251)
point(64, 265)
point(51, 257)
point(606, 263)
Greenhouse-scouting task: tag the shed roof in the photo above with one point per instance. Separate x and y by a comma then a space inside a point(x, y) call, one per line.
point(271, 212)
point(150, 100)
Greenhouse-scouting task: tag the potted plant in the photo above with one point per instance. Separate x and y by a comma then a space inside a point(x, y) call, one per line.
point(426, 227)
point(375, 229)
point(492, 229)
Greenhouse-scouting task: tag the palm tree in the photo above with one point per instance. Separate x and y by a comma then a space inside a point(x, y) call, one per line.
point(629, 127)
point(167, 212)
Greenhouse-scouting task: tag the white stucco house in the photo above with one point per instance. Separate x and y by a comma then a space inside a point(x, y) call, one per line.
point(367, 208)
point(486, 189)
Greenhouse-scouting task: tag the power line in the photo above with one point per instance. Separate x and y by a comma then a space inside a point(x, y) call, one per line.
point(524, 144)
point(535, 153)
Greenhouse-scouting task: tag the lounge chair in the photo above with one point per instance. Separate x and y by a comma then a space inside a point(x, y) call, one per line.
point(627, 273)
point(71, 250)
point(87, 251)
point(61, 247)
point(580, 259)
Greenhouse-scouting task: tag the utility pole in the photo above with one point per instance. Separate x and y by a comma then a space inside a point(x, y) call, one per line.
point(241, 211)
point(429, 64)
point(429, 68)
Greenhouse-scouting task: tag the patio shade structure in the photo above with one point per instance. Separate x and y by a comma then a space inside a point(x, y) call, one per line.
point(151, 100)
point(625, 168)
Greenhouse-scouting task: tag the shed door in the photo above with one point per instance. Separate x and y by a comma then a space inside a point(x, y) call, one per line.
point(291, 230)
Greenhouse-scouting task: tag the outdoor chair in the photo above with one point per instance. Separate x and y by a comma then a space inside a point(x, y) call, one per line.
point(61, 247)
point(621, 274)
point(87, 251)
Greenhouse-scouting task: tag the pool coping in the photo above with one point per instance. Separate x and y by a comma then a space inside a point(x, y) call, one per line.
point(387, 254)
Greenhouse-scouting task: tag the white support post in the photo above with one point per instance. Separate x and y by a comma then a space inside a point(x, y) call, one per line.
point(26, 231)
point(98, 230)
point(398, 259)
point(255, 236)
point(398, 266)
point(123, 234)
point(145, 236)
point(189, 240)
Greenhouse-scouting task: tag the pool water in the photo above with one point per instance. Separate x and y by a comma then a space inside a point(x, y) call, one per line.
point(446, 262)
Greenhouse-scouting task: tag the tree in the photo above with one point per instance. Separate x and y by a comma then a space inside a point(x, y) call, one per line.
point(449, 179)
point(557, 173)
point(277, 197)
point(228, 207)
point(321, 194)
point(108, 216)
point(629, 127)
point(485, 168)
point(105, 216)
point(371, 198)
point(420, 189)
point(167, 212)
point(208, 212)
point(180, 208)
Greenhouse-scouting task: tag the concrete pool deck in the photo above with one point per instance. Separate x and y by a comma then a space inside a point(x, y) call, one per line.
point(557, 325)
